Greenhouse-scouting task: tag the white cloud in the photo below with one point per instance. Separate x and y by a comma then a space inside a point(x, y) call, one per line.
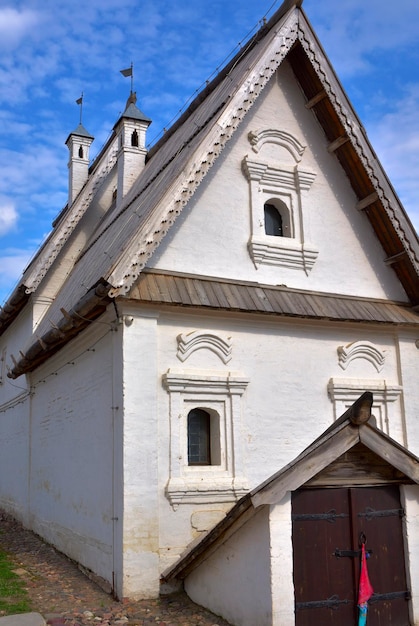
point(395, 137)
point(8, 217)
point(12, 263)
point(353, 29)
point(15, 25)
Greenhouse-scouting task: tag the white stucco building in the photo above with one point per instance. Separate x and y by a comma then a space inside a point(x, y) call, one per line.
point(199, 316)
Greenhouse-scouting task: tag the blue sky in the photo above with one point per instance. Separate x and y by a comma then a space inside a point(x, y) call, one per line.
point(53, 50)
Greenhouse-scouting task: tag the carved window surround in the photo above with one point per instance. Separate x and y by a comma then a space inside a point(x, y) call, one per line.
point(287, 183)
point(218, 393)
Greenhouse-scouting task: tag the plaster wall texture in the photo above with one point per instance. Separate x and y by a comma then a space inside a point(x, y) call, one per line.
point(234, 582)
point(281, 563)
point(11, 342)
point(284, 407)
point(71, 451)
point(410, 502)
point(212, 234)
point(140, 459)
point(408, 364)
point(14, 423)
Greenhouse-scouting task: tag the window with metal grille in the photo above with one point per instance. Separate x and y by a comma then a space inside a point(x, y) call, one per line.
point(199, 437)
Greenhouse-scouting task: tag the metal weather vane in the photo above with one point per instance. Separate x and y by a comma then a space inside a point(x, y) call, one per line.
point(129, 72)
point(79, 101)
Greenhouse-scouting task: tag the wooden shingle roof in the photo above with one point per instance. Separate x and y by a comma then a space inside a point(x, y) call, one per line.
point(119, 249)
point(203, 292)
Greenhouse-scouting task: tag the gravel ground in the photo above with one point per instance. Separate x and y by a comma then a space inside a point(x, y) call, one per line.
point(65, 595)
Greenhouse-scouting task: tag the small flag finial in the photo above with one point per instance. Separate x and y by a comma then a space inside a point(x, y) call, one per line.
point(79, 101)
point(129, 72)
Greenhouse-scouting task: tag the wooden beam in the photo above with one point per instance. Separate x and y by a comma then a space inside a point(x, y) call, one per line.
point(396, 455)
point(307, 466)
point(337, 143)
point(395, 258)
point(316, 99)
point(367, 201)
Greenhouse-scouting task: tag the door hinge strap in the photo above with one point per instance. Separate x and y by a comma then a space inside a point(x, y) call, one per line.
point(392, 595)
point(330, 516)
point(370, 514)
point(331, 603)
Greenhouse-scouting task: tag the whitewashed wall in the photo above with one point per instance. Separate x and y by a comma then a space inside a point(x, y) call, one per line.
point(235, 581)
point(71, 451)
point(14, 423)
point(211, 236)
point(285, 406)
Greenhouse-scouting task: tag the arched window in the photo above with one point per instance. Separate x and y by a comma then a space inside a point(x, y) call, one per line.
point(273, 221)
point(134, 139)
point(199, 437)
point(81, 152)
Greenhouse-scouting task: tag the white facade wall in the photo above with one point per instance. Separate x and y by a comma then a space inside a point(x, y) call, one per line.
point(211, 236)
point(281, 564)
point(285, 405)
point(66, 456)
point(235, 581)
point(140, 458)
point(410, 502)
point(14, 423)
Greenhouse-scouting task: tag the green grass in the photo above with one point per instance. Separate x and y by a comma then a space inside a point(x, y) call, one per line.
point(13, 596)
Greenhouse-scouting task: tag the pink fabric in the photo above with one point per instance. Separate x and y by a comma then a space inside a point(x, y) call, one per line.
point(365, 587)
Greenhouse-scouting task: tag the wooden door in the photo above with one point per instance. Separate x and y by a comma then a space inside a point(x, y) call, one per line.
point(327, 527)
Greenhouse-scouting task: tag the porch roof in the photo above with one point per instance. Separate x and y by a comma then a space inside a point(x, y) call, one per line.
point(350, 429)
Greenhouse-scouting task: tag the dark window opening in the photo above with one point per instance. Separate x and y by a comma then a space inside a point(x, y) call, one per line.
point(134, 139)
point(81, 152)
point(273, 221)
point(199, 437)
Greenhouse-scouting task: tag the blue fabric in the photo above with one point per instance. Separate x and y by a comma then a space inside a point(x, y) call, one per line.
point(363, 609)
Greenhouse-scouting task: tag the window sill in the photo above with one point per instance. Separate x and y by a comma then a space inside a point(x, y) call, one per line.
point(206, 490)
point(283, 252)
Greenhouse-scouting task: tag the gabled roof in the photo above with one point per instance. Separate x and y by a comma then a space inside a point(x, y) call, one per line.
point(121, 246)
point(350, 430)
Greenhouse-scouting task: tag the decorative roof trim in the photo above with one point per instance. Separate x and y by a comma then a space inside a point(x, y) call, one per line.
point(354, 131)
point(223, 128)
point(70, 219)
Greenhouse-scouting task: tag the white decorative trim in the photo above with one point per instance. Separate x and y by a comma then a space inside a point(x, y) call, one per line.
point(218, 134)
point(283, 252)
point(278, 175)
point(270, 181)
point(220, 394)
point(280, 137)
point(355, 133)
point(188, 343)
point(344, 391)
point(74, 214)
point(361, 350)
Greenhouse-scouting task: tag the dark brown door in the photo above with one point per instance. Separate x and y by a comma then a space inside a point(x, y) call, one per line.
point(327, 527)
